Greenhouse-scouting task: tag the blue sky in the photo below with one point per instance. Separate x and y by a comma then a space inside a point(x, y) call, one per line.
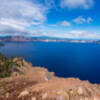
point(57, 18)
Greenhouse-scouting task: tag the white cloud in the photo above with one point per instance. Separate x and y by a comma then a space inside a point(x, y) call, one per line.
point(72, 4)
point(79, 20)
point(9, 30)
point(89, 19)
point(81, 34)
point(82, 20)
point(65, 23)
point(20, 14)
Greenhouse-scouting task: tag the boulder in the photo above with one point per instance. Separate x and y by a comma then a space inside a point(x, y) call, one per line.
point(23, 94)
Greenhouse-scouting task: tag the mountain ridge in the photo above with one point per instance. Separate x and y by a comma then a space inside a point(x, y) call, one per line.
point(44, 39)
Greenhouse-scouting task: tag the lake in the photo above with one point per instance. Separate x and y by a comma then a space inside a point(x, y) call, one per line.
point(65, 59)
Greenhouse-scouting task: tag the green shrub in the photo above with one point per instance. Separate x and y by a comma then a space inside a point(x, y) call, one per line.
point(6, 66)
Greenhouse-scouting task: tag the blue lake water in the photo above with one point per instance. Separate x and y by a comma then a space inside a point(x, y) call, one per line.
point(65, 59)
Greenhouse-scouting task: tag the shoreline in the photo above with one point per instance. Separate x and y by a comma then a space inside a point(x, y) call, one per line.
point(38, 83)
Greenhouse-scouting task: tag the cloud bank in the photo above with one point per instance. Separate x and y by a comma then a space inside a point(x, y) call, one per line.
point(82, 34)
point(19, 14)
point(29, 17)
point(73, 4)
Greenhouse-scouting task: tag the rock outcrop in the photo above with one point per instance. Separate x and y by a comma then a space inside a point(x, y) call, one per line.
point(36, 83)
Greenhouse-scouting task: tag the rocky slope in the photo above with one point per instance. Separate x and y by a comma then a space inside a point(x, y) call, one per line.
point(35, 83)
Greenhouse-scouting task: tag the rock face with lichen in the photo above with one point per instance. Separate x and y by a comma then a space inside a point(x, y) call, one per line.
point(35, 83)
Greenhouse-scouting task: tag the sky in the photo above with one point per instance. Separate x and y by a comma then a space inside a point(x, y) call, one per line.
point(79, 19)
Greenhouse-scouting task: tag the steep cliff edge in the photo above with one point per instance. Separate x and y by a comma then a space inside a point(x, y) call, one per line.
point(35, 83)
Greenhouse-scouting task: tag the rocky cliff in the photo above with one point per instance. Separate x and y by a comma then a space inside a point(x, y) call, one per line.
point(36, 83)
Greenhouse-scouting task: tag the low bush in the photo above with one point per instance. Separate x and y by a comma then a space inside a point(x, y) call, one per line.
point(6, 66)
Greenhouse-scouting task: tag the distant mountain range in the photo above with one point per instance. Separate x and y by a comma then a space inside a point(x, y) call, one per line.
point(43, 39)
point(10, 38)
point(24, 38)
